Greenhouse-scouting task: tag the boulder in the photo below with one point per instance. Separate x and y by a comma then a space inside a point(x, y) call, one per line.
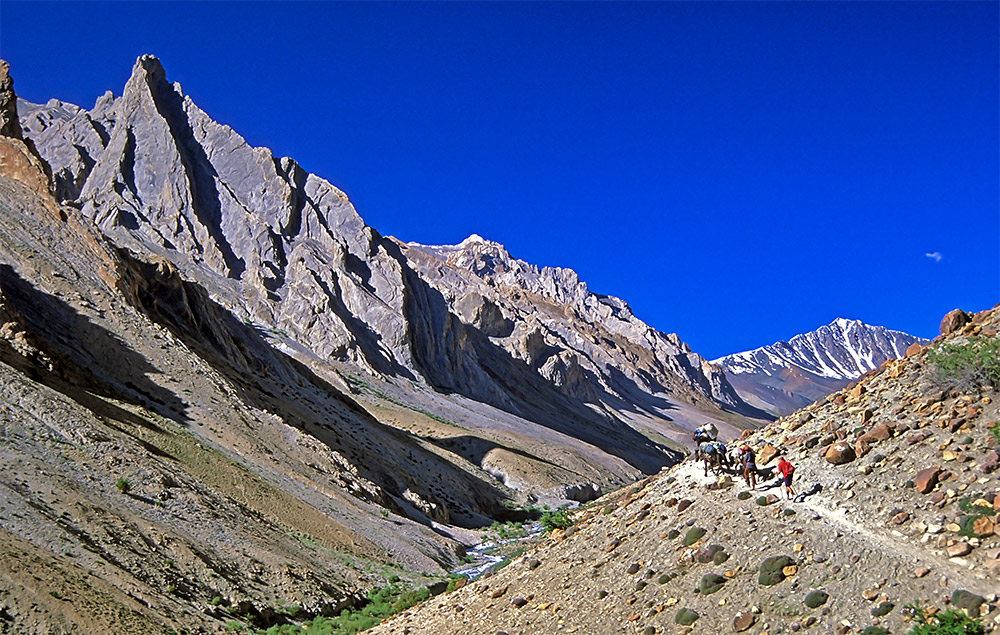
point(990, 463)
point(954, 321)
point(766, 454)
point(959, 549)
point(913, 349)
point(839, 453)
point(877, 433)
point(983, 527)
point(743, 621)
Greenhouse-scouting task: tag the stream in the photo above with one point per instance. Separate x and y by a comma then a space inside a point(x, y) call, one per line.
point(487, 555)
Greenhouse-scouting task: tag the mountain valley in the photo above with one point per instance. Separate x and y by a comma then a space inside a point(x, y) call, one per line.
point(228, 403)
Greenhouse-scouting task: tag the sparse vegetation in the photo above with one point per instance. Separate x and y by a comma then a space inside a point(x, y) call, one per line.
point(123, 485)
point(950, 622)
point(382, 602)
point(508, 530)
point(559, 519)
point(969, 364)
point(994, 429)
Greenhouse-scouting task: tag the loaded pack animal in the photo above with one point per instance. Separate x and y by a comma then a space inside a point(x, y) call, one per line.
point(715, 457)
point(705, 434)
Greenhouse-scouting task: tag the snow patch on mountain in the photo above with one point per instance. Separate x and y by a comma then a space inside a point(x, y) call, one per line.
point(844, 350)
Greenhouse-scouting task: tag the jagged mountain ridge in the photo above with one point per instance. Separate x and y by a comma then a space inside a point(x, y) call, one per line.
point(788, 375)
point(286, 250)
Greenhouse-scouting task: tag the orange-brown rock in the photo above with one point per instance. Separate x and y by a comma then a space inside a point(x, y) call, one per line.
point(839, 453)
point(743, 621)
point(766, 454)
point(926, 479)
point(954, 321)
point(983, 526)
point(880, 432)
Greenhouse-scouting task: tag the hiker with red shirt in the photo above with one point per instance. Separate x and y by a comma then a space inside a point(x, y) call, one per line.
point(786, 470)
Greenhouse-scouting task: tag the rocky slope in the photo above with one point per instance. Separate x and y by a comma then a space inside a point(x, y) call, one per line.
point(785, 376)
point(900, 494)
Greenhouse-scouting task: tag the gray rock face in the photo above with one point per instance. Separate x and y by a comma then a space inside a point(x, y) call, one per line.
point(556, 325)
point(286, 251)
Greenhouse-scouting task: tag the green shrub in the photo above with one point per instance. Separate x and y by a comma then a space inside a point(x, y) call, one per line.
point(762, 500)
point(966, 525)
point(816, 599)
point(969, 364)
point(559, 519)
point(693, 535)
point(673, 533)
point(123, 485)
point(744, 495)
point(875, 630)
point(950, 622)
point(788, 511)
point(771, 570)
point(994, 429)
point(685, 617)
point(967, 504)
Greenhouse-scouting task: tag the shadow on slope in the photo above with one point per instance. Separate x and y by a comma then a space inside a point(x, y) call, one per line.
point(456, 357)
point(269, 380)
point(87, 359)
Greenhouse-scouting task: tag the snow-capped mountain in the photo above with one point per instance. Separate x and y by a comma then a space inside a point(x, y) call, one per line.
point(785, 376)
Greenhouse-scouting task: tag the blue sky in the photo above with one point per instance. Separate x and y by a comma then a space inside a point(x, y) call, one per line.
point(739, 172)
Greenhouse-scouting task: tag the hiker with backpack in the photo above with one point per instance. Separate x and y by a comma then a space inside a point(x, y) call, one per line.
point(786, 470)
point(749, 461)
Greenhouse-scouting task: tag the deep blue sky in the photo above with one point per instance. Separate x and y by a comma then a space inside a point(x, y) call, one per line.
point(738, 172)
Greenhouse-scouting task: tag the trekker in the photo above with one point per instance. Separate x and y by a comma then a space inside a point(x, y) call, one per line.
point(749, 467)
point(786, 470)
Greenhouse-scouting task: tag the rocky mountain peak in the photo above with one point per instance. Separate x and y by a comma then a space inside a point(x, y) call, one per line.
point(787, 375)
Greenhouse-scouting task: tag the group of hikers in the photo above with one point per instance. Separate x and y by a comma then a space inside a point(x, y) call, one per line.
point(713, 452)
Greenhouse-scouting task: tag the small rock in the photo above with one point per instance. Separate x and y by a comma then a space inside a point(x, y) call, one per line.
point(926, 479)
point(743, 621)
point(983, 526)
